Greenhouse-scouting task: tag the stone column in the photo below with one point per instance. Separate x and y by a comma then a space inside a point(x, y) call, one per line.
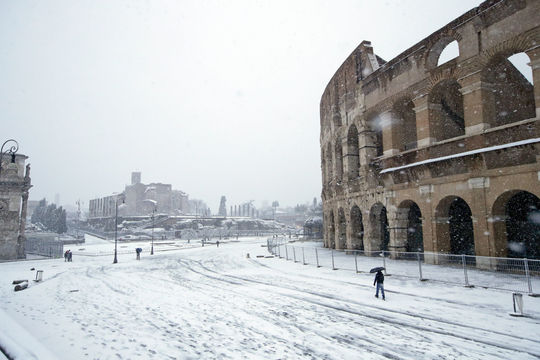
point(482, 238)
point(477, 104)
point(534, 56)
point(424, 129)
point(390, 133)
point(21, 239)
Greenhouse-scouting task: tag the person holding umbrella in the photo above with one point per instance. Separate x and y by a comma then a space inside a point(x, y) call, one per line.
point(379, 281)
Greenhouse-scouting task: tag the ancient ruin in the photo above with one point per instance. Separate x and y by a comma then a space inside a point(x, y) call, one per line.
point(420, 155)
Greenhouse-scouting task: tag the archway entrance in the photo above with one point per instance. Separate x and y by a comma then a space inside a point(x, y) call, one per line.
point(378, 221)
point(523, 225)
point(342, 228)
point(357, 229)
point(331, 231)
point(415, 236)
point(460, 228)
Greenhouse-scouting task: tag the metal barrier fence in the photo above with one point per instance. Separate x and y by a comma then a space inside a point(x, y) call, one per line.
point(50, 248)
point(512, 274)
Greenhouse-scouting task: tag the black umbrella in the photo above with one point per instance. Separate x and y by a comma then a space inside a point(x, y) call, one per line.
point(376, 269)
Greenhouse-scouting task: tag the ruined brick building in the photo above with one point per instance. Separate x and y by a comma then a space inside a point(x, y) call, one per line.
point(440, 157)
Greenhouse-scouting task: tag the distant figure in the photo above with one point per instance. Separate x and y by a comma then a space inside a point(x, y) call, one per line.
point(66, 253)
point(70, 256)
point(217, 243)
point(138, 251)
point(379, 280)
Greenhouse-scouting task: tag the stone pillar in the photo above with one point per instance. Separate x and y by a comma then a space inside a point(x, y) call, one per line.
point(534, 56)
point(21, 240)
point(428, 222)
point(390, 133)
point(477, 104)
point(483, 245)
point(424, 129)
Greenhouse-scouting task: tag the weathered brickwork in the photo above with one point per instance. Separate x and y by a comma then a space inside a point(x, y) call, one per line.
point(14, 186)
point(438, 157)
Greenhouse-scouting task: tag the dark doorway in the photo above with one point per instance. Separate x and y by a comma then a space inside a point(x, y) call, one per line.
point(523, 226)
point(415, 237)
point(357, 229)
point(461, 228)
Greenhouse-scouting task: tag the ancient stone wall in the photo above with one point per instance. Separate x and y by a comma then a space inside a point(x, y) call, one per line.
point(445, 157)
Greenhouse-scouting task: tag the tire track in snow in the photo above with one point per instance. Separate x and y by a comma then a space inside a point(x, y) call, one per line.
point(383, 318)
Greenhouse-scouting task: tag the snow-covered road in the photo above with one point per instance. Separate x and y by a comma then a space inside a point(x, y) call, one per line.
point(215, 303)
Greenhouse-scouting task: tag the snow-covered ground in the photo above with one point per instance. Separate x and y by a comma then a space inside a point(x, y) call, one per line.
point(194, 302)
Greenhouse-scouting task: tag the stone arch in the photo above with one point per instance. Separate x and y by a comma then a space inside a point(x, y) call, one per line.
point(353, 155)
point(511, 95)
point(357, 229)
point(438, 46)
point(454, 226)
point(446, 114)
point(329, 165)
point(342, 230)
point(403, 110)
point(379, 229)
point(516, 224)
point(339, 160)
point(409, 233)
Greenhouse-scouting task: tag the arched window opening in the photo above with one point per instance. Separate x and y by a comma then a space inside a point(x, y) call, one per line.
point(512, 90)
point(523, 226)
point(460, 228)
point(451, 51)
point(329, 165)
point(357, 229)
point(406, 131)
point(353, 158)
point(446, 111)
point(339, 160)
point(376, 141)
point(342, 236)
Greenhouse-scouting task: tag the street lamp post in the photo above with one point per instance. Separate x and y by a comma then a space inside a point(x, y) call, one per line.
point(152, 247)
point(116, 229)
point(12, 150)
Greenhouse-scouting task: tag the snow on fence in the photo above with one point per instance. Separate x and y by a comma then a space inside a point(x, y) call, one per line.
point(50, 248)
point(511, 274)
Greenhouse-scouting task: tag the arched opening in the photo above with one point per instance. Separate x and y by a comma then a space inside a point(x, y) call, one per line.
point(511, 95)
point(404, 110)
point(332, 231)
point(446, 116)
point(357, 229)
point(376, 140)
point(451, 51)
point(342, 230)
point(460, 228)
point(339, 161)
point(415, 235)
point(378, 222)
point(329, 165)
point(353, 158)
point(523, 226)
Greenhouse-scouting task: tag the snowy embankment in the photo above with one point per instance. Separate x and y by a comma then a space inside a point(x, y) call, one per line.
point(213, 302)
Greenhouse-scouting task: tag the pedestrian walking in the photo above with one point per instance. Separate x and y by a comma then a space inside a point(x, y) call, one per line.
point(66, 255)
point(138, 251)
point(379, 281)
point(217, 243)
point(70, 256)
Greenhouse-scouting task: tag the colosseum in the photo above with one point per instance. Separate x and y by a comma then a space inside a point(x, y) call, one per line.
point(421, 154)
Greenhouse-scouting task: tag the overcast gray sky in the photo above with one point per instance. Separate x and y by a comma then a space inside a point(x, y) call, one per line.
point(214, 97)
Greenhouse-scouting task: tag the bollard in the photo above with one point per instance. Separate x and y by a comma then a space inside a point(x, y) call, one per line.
point(464, 260)
point(286, 253)
point(527, 275)
point(517, 300)
point(317, 257)
point(39, 276)
point(333, 267)
point(419, 266)
point(356, 261)
point(303, 257)
point(294, 254)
